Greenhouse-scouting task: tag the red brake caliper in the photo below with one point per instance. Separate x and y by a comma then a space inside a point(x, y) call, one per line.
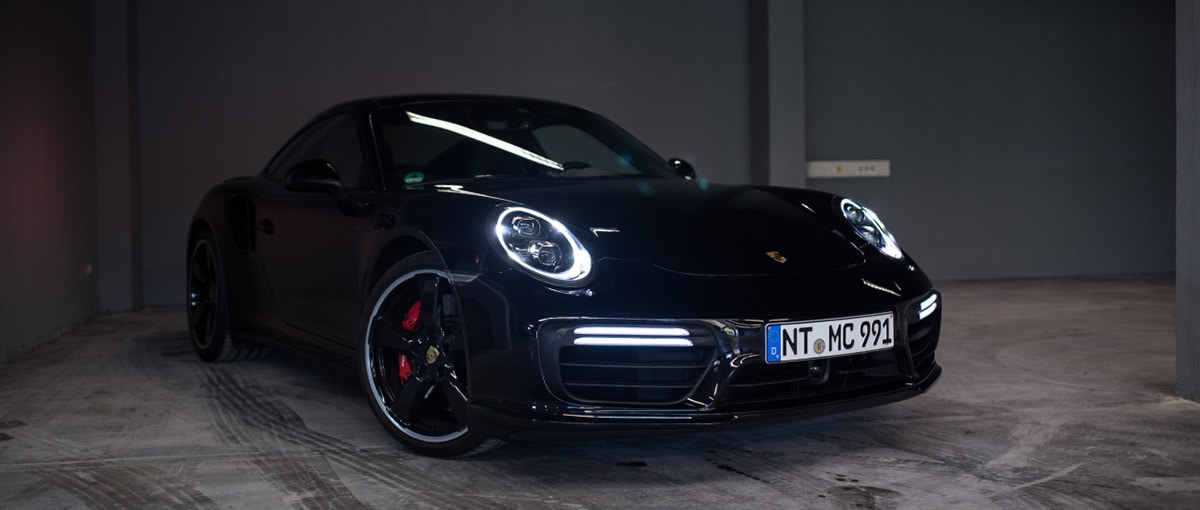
point(411, 319)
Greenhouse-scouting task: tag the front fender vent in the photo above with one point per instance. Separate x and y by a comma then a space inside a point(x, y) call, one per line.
point(241, 222)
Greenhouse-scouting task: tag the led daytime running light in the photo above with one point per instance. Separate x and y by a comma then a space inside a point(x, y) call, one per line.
point(630, 331)
point(633, 341)
point(928, 306)
point(633, 336)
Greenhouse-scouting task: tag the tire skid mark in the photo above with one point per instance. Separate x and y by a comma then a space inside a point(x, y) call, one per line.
point(251, 405)
point(31, 492)
point(40, 439)
point(1014, 478)
point(1007, 468)
point(735, 457)
point(127, 487)
point(187, 460)
point(149, 354)
point(143, 406)
point(67, 370)
point(244, 405)
point(780, 470)
point(1028, 437)
point(52, 394)
point(807, 448)
point(711, 462)
point(81, 488)
point(727, 454)
point(311, 481)
point(1135, 436)
point(265, 414)
point(946, 459)
point(943, 453)
point(97, 360)
point(187, 494)
point(80, 474)
point(1051, 477)
point(112, 482)
point(867, 447)
point(69, 470)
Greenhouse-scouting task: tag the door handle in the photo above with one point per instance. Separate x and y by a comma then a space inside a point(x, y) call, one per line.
point(266, 226)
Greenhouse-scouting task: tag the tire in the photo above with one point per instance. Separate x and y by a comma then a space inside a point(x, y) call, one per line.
point(412, 361)
point(207, 308)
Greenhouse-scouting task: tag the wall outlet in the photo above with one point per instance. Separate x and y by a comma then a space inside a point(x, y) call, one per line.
point(863, 168)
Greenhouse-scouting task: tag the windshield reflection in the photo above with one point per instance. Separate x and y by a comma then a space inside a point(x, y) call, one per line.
point(459, 140)
point(480, 137)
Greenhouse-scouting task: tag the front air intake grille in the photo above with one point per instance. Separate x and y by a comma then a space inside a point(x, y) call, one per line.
point(923, 333)
point(626, 364)
point(757, 382)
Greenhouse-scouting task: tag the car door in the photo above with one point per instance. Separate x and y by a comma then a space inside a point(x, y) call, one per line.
point(308, 239)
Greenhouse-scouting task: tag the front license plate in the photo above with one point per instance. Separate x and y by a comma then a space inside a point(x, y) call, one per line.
point(828, 338)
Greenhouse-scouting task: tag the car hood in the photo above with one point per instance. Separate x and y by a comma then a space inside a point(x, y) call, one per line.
point(690, 227)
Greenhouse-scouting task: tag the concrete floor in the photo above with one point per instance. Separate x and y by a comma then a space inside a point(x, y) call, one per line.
point(1056, 393)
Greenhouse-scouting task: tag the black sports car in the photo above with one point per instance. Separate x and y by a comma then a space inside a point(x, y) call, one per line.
point(502, 267)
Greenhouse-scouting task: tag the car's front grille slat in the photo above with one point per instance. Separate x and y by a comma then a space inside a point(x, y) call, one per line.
point(626, 385)
point(661, 366)
point(627, 374)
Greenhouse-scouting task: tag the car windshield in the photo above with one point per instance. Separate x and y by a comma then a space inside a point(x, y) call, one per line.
point(442, 141)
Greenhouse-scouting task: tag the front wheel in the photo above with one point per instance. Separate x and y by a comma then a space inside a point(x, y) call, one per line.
point(412, 361)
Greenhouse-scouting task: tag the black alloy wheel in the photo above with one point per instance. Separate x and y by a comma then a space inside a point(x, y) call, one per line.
point(207, 310)
point(203, 295)
point(412, 361)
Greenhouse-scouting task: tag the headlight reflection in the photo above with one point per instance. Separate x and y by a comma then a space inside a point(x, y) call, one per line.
point(870, 228)
point(542, 246)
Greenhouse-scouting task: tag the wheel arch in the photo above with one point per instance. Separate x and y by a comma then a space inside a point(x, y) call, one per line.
point(198, 225)
point(408, 242)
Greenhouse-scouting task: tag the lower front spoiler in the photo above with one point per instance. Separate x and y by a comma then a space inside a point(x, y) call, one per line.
point(592, 424)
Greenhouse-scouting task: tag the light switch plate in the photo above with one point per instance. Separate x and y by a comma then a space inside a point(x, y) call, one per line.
point(860, 168)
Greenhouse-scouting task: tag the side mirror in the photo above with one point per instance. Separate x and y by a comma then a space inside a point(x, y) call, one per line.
point(683, 168)
point(313, 175)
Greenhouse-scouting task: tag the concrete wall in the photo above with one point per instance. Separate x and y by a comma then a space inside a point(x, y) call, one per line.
point(118, 190)
point(223, 84)
point(1187, 193)
point(1026, 138)
point(47, 169)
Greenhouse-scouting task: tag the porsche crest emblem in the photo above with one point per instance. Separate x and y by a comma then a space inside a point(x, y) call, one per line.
point(431, 355)
point(777, 257)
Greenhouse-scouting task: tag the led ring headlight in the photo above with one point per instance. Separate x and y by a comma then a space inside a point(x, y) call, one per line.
point(542, 247)
point(870, 228)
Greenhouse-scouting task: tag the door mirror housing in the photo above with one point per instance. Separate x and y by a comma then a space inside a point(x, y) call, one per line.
point(314, 175)
point(683, 168)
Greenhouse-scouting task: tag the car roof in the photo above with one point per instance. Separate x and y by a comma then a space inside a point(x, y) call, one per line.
point(369, 105)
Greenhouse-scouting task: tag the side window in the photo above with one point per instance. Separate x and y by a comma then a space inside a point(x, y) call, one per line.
point(416, 150)
point(334, 139)
point(339, 145)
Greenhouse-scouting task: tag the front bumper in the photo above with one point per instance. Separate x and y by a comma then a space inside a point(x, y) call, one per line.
point(529, 378)
point(544, 424)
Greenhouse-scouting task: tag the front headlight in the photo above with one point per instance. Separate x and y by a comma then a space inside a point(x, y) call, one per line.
point(869, 227)
point(542, 246)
